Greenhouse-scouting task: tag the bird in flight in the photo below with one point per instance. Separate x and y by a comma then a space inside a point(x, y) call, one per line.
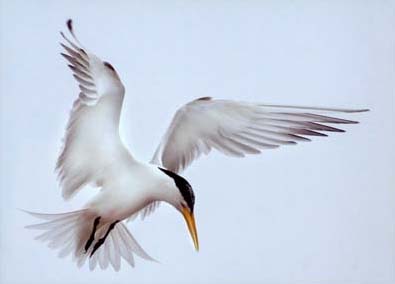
point(94, 154)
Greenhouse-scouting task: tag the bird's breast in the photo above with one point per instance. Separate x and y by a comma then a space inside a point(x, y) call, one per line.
point(127, 194)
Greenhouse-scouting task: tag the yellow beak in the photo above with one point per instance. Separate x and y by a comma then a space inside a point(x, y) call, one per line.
point(190, 220)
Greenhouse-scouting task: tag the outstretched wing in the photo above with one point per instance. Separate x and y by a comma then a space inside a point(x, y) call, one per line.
point(92, 138)
point(238, 128)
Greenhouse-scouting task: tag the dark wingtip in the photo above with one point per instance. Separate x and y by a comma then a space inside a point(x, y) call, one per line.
point(361, 110)
point(204, 99)
point(69, 24)
point(352, 122)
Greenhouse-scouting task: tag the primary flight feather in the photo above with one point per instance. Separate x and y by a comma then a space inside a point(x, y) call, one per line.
point(94, 154)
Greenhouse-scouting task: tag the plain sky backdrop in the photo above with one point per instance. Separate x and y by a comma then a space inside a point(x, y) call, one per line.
point(320, 212)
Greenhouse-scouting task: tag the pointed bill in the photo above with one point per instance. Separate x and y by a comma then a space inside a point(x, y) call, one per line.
point(190, 220)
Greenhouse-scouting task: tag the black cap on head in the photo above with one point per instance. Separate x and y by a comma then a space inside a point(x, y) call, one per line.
point(183, 186)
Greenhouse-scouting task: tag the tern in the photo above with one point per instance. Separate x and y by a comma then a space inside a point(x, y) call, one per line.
point(94, 154)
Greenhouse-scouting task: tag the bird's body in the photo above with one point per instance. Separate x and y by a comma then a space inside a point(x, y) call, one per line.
point(94, 154)
point(130, 189)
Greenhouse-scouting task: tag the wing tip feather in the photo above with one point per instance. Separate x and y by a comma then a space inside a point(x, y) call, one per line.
point(358, 110)
point(69, 24)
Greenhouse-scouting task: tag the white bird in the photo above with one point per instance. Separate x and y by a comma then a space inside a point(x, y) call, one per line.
point(94, 154)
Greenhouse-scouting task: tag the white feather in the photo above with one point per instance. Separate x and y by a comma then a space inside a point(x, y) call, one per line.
point(69, 235)
point(238, 128)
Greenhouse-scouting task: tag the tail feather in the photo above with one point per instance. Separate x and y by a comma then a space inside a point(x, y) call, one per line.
point(123, 247)
point(115, 255)
point(132, 243)
point(50, 224)
point(69, 232)
point(66, 250)
point(56, 236)
point(104, 256)
point(56, 216)
point(93, 261)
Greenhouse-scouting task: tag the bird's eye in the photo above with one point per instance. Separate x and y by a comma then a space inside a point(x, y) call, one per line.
point(109, 66)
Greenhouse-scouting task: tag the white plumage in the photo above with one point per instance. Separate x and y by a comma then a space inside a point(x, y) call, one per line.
point(93, 153)
point(237, 129)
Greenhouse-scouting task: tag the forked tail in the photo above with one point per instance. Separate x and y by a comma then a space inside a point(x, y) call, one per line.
point(69, 232)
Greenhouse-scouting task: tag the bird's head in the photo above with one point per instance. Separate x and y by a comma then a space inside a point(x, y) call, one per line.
point(183, 199)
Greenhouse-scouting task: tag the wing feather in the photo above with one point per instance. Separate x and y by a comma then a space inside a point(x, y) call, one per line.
point(92, 138)
point(238, 128)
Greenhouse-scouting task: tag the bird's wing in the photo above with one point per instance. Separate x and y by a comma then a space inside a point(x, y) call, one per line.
point(239, 128)
point(92, 140)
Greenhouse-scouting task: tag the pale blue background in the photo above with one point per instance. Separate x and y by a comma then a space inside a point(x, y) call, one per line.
point(321, 212)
